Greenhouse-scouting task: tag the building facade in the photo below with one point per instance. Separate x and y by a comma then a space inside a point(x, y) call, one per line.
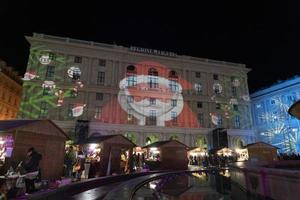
point(145, 94)
point(10, 92)
point(271, 120)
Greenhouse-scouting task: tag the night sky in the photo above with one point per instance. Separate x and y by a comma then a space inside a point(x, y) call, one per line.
point(264, 36)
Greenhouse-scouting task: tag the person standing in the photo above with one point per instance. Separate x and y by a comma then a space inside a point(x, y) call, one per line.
point(31, 166)
point(70, 160)
point(79, 166)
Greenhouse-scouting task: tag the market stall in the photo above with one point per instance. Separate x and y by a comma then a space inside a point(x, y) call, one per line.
point(108, 154)
point(170, 154)
point(197, 155)
point(17, 136)
point(261, 152)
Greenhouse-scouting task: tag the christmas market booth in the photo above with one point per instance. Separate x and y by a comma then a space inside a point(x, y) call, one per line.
point(261, 152)
point(169, 155)
point(107, 154)
point(197, 155)
point(17, 136)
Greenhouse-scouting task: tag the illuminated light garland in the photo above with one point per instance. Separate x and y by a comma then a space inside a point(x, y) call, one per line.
point(60, 95)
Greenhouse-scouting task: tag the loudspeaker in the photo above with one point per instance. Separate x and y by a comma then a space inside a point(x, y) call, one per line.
point(81, 130)
point(220, 139)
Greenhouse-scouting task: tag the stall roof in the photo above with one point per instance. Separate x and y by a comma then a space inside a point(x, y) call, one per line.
point(260, 143)
point(11, 125)
point(102, 138)
point(162, 143)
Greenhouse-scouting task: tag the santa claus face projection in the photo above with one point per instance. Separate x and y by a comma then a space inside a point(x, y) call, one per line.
point(159, 105)
point(150, 95)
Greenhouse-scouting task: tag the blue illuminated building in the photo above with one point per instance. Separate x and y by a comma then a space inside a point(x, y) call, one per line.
point(271, 120)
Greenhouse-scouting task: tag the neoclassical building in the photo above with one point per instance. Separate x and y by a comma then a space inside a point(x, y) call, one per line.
point(10, 92)
point(271, 120)
point(145, 94)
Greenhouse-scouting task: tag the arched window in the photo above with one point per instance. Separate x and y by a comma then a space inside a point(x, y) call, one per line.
point(131, 137)
point(201, 142)
point(131, 76)
point(174, 137)
point(152, 79)
point(173, 74)
point(239, 143)
point(151, 139)
point(131, 69)
point(152, 72)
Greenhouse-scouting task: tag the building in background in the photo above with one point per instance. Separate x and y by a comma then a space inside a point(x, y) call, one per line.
point(10, 92)
point(271, 120)
point(145, 94)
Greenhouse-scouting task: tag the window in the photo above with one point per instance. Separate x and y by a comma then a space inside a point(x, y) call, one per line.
point(152, 117)
point(174, 116)
point(216, 77)
point(50, 71)
point(46, 91)
point(152, 101)
point(199, 104)
point(217, 89)
point(237, 123)
point(99, 96)
point(77, 59)
point(272, 101)
point(200, 119)
point(218, 106)
point(220, 121)
point(100, 78)
point(173, 102)
point(173, 86)
point(235, 107)
point(153, 82)
point(233, 91)
point(198, 74)
point(98, 112)
point(130, 99)
point(198, 88)
point(131, 81)
point(102, 62)
point(130, 118)
point(70, 110)
point(43, 110)
point(152, 72)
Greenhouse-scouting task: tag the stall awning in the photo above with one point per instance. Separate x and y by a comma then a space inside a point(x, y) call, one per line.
point(103, 138)
point(162, 143)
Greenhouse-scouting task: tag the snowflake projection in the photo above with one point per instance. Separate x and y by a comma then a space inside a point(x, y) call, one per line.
point(41, 89)
point(279, 131)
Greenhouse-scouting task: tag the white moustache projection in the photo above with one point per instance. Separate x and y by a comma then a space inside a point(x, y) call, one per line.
point(141, 109)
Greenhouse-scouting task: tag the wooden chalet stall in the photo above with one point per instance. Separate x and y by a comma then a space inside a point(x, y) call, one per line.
point(261, 152)
point(44, 135)
point(111, 150)
point(172, 154)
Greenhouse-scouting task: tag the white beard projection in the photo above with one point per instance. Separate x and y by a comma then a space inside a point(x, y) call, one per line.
point(164, 110)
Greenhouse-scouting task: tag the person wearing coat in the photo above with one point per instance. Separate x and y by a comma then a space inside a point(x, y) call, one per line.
point(31, 166)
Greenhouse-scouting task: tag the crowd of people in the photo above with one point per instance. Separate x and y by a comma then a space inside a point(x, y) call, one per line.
point(27, 172)
point(211, 160)
point(74, 163)
point(284, 156)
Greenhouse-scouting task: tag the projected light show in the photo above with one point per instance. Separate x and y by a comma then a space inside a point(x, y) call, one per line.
point(43, 85)
point(278, 128)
